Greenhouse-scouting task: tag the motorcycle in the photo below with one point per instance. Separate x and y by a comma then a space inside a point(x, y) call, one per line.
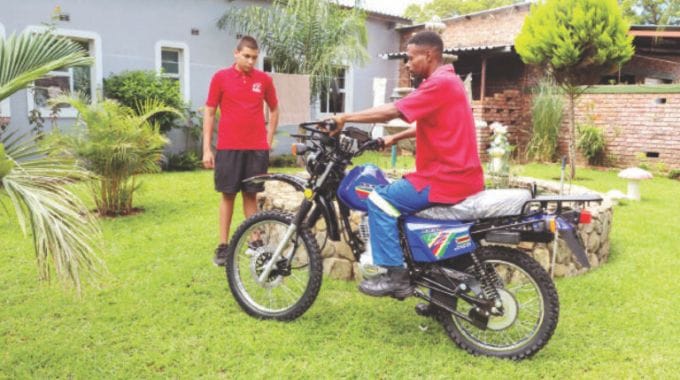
point(491, 298)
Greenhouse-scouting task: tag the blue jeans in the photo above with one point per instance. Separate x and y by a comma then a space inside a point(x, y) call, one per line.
point(385, 205)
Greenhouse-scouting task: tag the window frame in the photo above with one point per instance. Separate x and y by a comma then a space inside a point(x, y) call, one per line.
point(348, 91)
point(183, 61)
point(94, 41)
point(5, 109)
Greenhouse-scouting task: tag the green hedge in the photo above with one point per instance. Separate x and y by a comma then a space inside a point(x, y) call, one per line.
point(133, 88)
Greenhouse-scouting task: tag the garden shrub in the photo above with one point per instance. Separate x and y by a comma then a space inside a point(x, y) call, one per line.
point(116, 143)
point(591, 143)
point(546, 119)
point(134, 88)
point(674, 174)
point(283, 161)
point(182, 162)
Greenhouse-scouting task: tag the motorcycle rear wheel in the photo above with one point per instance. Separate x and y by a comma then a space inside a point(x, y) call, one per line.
point(530, 303)
point(281, 296)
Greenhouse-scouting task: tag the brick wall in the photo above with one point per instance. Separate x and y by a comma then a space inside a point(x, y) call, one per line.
point(510, 108)
point(633, 124)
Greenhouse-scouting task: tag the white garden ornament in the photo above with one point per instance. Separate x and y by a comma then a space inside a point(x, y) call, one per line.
point(499, 146)
point(634, 176)
point(496, 155)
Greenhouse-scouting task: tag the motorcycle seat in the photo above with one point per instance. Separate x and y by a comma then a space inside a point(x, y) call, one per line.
point(485, 204)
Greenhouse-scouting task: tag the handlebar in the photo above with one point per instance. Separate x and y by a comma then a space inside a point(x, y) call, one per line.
point(329, 124)
point(377, 144)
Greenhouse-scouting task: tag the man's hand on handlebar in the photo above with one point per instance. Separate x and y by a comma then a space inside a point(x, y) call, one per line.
point(339, 121)
point(389, 140)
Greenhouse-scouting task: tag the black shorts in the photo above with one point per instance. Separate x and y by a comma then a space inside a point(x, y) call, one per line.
point(233, 166)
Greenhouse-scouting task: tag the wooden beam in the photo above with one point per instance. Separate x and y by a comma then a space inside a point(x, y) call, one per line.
point(483, 84)
point(654, 33)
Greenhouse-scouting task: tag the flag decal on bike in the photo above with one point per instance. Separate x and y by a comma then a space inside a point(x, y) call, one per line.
point(439, 241)
point(363, 191)
point(462, 240)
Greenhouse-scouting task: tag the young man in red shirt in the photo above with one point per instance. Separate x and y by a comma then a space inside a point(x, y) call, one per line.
point(447, 163)
point(243, 141)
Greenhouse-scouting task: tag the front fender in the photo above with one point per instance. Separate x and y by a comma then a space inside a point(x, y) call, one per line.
point(323, 205)
point(297, 182)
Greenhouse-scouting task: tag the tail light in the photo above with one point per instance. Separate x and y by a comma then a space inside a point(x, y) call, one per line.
point(585, 218)
point(552, 224)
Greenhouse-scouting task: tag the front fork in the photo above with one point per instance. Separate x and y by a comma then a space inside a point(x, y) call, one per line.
point(291, 233)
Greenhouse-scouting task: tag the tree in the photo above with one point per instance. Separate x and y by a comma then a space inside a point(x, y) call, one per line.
point(304, 36)
point(65, 234)
point(450, 8)
point(652, 12)
point(576, 41)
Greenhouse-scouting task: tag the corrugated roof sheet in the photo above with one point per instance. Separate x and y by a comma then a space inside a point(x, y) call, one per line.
point(452, 50)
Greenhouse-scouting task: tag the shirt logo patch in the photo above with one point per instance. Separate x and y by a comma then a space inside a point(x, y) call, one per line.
point(257, 87)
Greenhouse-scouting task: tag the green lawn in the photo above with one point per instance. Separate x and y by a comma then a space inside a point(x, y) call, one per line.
point(165, 310)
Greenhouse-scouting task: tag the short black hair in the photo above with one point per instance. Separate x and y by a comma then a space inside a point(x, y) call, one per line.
point(247, 41)
point(427, 38)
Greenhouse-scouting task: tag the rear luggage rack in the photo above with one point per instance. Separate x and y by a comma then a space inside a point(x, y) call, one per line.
point(558, 200)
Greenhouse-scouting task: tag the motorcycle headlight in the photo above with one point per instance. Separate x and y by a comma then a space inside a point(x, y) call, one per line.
point(298, 149)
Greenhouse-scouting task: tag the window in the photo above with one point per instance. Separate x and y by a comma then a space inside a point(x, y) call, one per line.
point(325, 105)
point(267, 65)
point(172, 61)
point(64, 80)
point(4, 105)
point(81, 79)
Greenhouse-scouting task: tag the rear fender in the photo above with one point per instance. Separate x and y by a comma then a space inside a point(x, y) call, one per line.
point(324, 206)
point(568, 233)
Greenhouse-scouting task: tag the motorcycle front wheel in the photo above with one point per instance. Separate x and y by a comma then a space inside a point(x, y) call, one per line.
point(285, 294)
point(530, 308)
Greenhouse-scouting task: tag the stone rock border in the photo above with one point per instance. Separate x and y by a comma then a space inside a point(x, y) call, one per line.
point(595, 235)
point(339, 263)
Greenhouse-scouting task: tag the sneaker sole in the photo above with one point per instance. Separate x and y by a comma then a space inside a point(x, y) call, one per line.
point(219, 264)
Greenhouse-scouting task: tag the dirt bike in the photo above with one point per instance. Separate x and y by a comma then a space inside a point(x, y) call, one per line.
point(491, 299)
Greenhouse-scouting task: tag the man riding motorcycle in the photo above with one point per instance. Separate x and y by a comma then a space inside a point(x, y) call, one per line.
point(448, 168)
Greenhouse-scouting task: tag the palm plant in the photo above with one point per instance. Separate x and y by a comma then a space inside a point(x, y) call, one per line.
point(65, 235)
point(117, 143)
point(304, 36)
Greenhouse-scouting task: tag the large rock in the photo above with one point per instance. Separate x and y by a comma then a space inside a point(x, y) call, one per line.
point(337, 268)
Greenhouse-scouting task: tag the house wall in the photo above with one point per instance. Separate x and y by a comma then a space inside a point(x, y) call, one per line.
point(633, 124)
point(129, 31)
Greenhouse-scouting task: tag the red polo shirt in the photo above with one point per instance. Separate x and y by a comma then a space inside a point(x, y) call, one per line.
point(240, 97)
point(446, 141)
